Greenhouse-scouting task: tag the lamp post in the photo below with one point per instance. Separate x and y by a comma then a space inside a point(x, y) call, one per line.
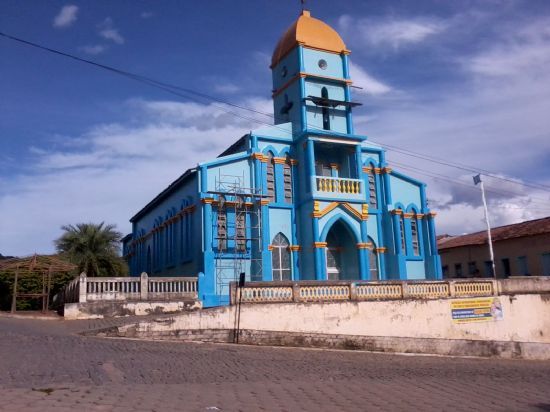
point(477, 180)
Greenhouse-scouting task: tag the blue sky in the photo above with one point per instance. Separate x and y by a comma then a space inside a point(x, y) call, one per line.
point(464, 81)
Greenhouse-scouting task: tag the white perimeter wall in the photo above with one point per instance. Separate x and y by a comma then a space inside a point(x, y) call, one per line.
point(526, 319)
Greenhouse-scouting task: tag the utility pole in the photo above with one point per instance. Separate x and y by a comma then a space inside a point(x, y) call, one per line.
point(477, 179)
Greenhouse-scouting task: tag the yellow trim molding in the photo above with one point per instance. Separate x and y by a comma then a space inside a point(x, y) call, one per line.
point(207, 200)
point(396, 212)
point(264, 202)
point(319, 245)
point(259, 156)
point(367, 245)
point(279, 160)
point(381, 249)
point(387, 170)
point(295, 248)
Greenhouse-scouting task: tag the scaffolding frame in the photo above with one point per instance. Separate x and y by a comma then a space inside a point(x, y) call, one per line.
point(246, 203)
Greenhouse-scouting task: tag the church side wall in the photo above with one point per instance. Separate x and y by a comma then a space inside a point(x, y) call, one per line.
point(169, 234)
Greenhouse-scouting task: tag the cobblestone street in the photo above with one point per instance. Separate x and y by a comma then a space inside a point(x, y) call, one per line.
point(46, 365)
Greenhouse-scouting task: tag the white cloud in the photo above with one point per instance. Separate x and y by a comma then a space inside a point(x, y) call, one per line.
point(494, 118)
point(389, 31)
point(113, 171)
point(368, 84)
point(524, 51)
point(93, 50)
point(227, 88)
point(66, 16)
point(109, 32)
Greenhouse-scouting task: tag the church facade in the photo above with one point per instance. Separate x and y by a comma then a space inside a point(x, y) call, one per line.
point(304, 199)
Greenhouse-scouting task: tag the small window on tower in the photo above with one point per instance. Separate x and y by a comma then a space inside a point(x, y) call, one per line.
point(326, 115)
point(284, 71)
point(323, 64)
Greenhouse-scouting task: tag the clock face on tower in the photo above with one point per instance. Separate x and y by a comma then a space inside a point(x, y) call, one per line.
point(322, 64)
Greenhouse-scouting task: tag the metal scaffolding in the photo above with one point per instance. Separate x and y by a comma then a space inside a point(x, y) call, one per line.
point(241, 246)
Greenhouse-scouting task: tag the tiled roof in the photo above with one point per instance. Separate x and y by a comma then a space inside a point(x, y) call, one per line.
point(529, 228)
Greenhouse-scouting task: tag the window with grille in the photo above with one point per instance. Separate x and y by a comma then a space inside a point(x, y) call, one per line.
point(402, 227)
point(287, 176)
point(270, 177)
point(373, 264)
point(280, 258)
point(240, 228)
point(373, 200)
point(222, 226)
point(414, 235)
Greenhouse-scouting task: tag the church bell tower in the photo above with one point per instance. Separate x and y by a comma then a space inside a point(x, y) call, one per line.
point(311, 82)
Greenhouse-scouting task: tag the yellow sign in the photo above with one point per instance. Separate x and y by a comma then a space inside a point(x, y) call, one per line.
point(476, 310)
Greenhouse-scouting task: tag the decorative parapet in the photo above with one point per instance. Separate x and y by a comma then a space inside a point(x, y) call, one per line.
point(327, 291)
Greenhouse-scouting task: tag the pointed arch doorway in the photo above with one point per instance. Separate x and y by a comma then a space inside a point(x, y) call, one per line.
point(342, 257)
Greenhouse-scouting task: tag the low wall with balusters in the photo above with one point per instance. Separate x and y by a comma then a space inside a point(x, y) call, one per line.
point(96, 297)
point(332, 291)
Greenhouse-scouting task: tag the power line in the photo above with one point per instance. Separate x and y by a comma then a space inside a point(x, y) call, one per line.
point(467, 168)
point(189, 93)
point(446, 178)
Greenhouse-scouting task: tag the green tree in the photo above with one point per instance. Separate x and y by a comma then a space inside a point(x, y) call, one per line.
point(94, 248)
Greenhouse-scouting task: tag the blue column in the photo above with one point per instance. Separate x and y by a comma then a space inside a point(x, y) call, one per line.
point(207, 283)
point(382, 264)
point(359, 165)
point(363, 263)
point(279, 185)
point(432, 235)
point(310, 157)
point(267, 270)
point(320, 267)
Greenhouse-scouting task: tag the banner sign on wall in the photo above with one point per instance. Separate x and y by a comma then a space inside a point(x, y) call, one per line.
point(476, 310)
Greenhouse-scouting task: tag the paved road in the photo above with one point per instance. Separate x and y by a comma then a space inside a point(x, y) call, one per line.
point(45, 365)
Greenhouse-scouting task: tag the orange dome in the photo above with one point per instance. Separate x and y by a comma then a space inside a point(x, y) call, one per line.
point(309, 32)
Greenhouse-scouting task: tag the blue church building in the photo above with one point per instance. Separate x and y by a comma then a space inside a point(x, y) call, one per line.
point(304, 199)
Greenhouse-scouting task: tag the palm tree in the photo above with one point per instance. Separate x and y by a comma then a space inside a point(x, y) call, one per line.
point(94, 248)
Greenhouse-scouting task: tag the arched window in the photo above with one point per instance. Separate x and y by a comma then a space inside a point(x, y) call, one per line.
point(287, 176)
point(373, 263)
point(270, 177)
point(326, 116)
point(414, 236)
point(373, 199)
point(222, 225)
point(402, 227)
point(240, 229)
point(280, 258)
point(148, 265)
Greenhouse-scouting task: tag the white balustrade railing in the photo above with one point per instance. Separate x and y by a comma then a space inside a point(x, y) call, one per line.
point(330, 291)
point(338, 185)
point(91, 289)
